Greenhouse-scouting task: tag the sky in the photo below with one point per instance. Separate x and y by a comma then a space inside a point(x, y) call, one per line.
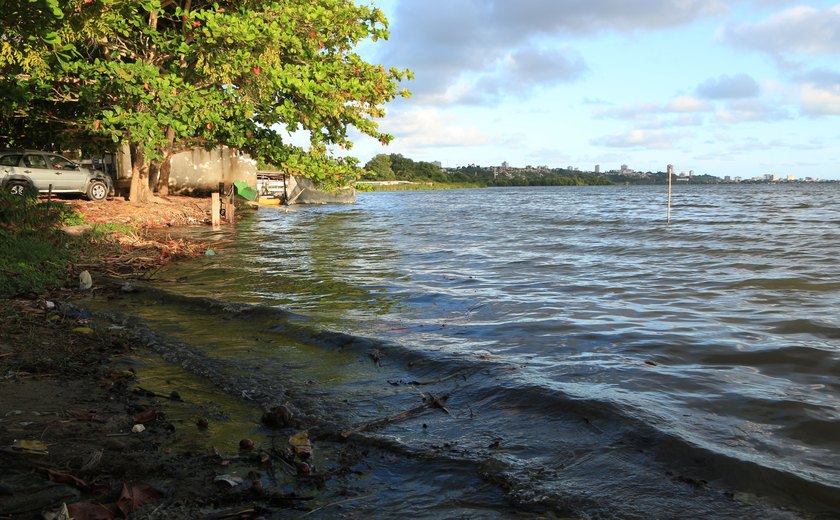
point(720, 87)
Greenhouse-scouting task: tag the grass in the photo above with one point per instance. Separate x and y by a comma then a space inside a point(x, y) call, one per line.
point(420, 186)
point(35, 256)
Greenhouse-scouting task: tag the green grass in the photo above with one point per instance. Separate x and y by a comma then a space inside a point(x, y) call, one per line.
point(34, 254)
point(419, 186)
point(32, 261)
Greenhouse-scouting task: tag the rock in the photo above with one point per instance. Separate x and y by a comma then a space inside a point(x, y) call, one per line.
point(138, 428)
point(278, 417)
point(246, 444)
point(85, 281)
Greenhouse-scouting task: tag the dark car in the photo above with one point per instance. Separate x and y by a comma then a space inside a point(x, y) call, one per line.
point(21, 170)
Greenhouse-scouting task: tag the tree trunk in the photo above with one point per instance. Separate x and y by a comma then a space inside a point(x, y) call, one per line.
point(166, 166)
point(163, 176)
point(139, 193)
point(154, 174)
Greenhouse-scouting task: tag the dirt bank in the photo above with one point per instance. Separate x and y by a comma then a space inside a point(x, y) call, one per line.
point(163, 212)
point(78, 437)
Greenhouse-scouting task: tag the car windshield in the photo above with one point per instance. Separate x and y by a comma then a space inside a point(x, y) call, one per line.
point(10, 160)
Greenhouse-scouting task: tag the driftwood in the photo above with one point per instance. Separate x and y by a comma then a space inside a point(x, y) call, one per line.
point(235, 512)
point(433, 402)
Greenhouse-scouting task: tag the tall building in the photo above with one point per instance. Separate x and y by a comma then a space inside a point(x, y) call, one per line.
point(597, 168)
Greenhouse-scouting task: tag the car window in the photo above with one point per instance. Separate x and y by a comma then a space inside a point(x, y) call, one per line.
point(34, 161)
point(10, 160)
point(60, 163)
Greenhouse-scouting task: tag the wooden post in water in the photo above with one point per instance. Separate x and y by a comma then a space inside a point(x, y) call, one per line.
point(670, 173)
point(229, 209)
point(215, 209)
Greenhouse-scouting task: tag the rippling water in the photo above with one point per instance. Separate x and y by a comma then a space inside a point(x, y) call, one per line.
point(609, 365)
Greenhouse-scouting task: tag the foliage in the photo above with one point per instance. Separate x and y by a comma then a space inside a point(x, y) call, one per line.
point(174, 74)
point(396, 167)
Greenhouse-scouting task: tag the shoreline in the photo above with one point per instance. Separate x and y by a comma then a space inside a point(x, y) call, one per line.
point(79, 434)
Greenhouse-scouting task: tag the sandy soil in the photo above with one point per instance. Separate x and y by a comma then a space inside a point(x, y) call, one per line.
point(163, 212)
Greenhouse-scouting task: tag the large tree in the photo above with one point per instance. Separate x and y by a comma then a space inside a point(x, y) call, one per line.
point(165, 75)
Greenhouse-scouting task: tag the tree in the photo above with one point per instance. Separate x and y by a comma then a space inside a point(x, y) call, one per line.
point(166, 75)
point(379, 168)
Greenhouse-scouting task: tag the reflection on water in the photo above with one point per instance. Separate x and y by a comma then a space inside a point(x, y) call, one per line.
point(615, 358)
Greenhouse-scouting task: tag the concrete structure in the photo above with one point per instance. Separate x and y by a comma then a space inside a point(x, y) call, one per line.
point(199, 170)
point(196, 171)
point(597, 168)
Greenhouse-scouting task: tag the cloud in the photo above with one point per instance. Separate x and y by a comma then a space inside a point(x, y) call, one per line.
point(461, 43)
point(820, 77)
point(432, 128)
point(671, 122)
point(647, 111)
point(522, 70)
point(818, 101)
point(640, 138)
point(749, 110)
point(801, 30)
point(728, 87)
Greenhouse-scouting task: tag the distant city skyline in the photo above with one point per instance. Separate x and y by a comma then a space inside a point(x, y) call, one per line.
point(739, 88)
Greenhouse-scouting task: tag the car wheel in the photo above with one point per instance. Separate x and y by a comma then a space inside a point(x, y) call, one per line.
point(97, 190)
point(18, 189)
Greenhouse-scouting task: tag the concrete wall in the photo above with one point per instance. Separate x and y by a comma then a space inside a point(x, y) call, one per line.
point(198, 171)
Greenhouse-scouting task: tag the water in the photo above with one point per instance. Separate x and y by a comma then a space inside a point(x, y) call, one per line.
point(599, 362)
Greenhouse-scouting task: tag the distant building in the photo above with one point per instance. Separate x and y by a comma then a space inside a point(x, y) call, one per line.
point(737, 179)
point(727, 178)
point(771, 177)
point(597, 168)
point(438, 164)
point(791, 178)
point(505, 165)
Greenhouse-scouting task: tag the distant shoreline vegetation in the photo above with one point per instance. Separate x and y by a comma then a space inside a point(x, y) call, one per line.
point(393, 172)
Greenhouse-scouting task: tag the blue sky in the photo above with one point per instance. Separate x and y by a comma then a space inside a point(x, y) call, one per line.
point(721, 87)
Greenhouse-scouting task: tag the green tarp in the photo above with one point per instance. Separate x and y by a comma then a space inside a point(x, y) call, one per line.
point(245, 191)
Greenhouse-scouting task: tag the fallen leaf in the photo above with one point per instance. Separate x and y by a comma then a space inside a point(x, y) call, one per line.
point(146, 416)
point(92, 511)
point(134, 496)
point(66, 478)
point(300, 439)
point(33, 447)
point(83, 330)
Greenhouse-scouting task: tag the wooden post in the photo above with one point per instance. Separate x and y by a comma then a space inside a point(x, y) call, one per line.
point(229, 209)
point(215, 209)
point(49, 194)
point(670, 172)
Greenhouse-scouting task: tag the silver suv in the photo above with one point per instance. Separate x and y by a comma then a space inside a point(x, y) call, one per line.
point(21, 170)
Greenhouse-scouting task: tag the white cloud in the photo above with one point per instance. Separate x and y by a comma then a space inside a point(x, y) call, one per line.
point(647, 111)
point(744, 110)
point(802, 30)
point(683, 104)
point(820, 101)
point(640, 138)
point(728, 87)
point(520, 71)
point(444, 41)
point(428, 127)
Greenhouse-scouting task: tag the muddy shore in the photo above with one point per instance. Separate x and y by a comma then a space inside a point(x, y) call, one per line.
point(81, 438)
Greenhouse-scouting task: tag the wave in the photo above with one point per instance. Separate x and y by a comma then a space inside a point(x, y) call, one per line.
point(548, 448)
